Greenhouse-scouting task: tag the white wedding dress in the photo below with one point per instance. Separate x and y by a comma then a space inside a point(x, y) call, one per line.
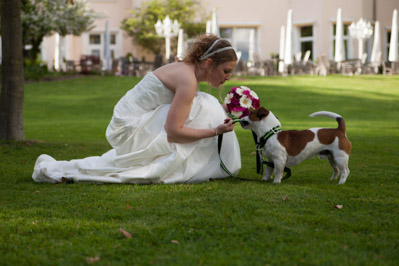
point(141, 153)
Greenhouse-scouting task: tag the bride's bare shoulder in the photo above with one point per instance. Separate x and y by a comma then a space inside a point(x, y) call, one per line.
point(175, 75)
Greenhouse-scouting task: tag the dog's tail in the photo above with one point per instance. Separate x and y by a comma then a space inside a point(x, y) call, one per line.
point(340, 120)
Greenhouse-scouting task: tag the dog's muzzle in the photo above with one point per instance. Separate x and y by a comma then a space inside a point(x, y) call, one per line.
point(244, 123)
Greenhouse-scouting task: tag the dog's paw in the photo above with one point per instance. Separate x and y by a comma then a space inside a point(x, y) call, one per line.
point(266, 179)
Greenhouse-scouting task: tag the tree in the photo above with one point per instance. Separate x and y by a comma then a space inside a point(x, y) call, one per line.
point(141, 25)
point(45, 17)
point(12, 82)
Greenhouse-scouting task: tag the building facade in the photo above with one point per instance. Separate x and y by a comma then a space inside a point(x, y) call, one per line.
point(261, 20)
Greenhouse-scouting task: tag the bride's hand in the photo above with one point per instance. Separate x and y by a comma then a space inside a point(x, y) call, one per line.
point(226, 127)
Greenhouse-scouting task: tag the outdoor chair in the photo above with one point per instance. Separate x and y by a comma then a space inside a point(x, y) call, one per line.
point(90, 64)
point(323, 65)
point(124, 66)
point(158, 61)
point(271, 67)
point(256, 68)
point(350, 67)
point(307, 65)
point(389, 68)
point(115, 66)
point(240, 69)
point(70, 66)
point(296, 67)
point(373, 67)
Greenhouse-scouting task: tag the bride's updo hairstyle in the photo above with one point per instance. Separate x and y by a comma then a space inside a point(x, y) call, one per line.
point(210, 46)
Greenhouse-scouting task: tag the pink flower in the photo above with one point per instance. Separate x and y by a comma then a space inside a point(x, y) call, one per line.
point(240, 100)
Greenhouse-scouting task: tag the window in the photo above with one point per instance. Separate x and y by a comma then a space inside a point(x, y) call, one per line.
point(113, 39)
point(96, 44)
point(226, 33)
point(306, 40)
point(95, 39)
point(346, 40)
point(240, 40)
point(95, 52)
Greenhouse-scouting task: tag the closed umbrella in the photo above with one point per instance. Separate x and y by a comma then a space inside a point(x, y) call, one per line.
point(393, 45)
point(288, 40)
point(376, 51)
point(281, 54)
point(339, 40)
point(57, 52)
point(251, 50)
point(208, 26)
point(180, 44)
point(107, 49)
point(215, 23)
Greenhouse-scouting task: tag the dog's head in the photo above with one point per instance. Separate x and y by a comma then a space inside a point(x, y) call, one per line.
point(260, 120)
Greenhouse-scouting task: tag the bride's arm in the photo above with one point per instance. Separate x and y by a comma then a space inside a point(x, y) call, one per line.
point(178, 113)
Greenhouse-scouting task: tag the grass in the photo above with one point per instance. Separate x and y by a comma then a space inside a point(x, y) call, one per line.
point(224, 222)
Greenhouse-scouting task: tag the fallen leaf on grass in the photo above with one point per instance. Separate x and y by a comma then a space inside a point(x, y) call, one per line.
point(125, 233)
point(338, 207)
point(92, 259)
point(285, 198)
point(174, 242)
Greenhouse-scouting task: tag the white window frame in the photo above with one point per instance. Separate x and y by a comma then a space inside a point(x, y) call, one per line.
point(298, 40)
point(234, 40)
point(116, 48)
point(350, 53)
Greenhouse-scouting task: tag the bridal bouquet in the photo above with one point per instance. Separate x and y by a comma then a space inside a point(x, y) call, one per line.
point(240, 100)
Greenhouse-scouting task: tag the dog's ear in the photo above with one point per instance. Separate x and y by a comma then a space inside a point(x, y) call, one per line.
point(262, 112)
point(258, 114)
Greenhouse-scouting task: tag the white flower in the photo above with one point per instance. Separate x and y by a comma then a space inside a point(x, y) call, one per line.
point(236, 114)
point(228, 98)
point(254, 95)
point(239, 91)
point(245, 102)
point(245, 88)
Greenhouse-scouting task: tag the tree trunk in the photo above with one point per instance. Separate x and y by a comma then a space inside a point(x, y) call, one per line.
point(12, 83)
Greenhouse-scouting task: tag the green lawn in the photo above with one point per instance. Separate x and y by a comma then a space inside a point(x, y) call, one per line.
point(224, 222)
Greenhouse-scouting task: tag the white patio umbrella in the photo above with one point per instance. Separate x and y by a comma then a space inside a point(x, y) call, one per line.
point(107, 49)
point(281, 53)
point(288, 40)
point(180, 45)
point(251, 49)
point(376, 51)
point(393, 45)
point(215, 23)
point(339, 40)
point(208, 26)
point(57, 52)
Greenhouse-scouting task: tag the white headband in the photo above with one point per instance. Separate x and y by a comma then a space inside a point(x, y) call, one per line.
point(207, 54)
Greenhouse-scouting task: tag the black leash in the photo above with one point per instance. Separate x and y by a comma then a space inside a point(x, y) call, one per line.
point(259, 158)
point(220, 139)
point(259, 148)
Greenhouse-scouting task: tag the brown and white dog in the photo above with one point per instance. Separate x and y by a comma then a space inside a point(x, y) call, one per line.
point(291, 147)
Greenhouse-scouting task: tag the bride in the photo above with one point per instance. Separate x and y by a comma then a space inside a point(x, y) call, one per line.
point(163, 130)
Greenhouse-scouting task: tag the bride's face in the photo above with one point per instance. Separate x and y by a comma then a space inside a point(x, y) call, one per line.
point(219, 74)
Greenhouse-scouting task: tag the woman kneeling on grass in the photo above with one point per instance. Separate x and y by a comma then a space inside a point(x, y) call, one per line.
point(163, 130)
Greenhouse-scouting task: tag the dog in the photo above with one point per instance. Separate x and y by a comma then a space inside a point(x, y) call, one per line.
point(291, 147)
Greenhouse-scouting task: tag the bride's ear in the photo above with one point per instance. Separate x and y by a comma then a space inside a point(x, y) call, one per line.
point(209, 63)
